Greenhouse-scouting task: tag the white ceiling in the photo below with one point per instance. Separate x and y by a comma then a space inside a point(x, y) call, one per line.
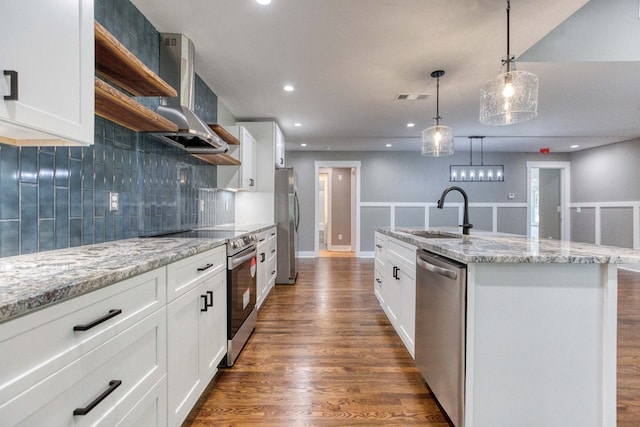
point(348, 59)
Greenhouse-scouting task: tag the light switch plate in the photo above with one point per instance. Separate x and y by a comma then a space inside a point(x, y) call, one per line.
point(511, 196)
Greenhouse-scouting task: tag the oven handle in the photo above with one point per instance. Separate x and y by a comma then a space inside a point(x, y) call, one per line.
point(234, 262)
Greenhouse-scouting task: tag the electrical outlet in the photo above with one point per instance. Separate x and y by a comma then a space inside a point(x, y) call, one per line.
point(578, 209)
point(512, 196)
point(113, 201)
point(339, 236)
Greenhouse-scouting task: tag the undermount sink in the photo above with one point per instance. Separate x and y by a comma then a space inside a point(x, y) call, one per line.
point(434, 234)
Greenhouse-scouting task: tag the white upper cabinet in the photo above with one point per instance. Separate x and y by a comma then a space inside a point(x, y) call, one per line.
point(49, 44)
point(243, 177)
point(279, 148)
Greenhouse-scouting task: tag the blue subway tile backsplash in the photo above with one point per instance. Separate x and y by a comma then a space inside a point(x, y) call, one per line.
point(57, 197)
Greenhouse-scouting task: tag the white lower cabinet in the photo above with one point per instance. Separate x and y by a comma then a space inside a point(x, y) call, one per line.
point(197, 335)
point(100, 387)
point(62, 358)
point(395, 286)
point(267, 261)
point(122, 355)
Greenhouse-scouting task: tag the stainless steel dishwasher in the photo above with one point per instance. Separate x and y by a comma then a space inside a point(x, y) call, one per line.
point(441, 293)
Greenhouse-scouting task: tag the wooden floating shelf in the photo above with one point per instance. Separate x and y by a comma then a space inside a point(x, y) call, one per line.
point(226, 136)
point(218, 159)
point(115, 63)
point(114, 105)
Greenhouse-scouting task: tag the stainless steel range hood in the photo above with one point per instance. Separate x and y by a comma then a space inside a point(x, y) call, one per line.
point(177, 69)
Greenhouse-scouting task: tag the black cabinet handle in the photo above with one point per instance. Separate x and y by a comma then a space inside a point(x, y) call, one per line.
point(378, 280)
point(379, 246)
point(13, 85)
point(273, 272)
point(251, 182)
point(281, 161)
point(87, 326)
point(395, 272)
point(205, 304)
point(206, 267)
point(210, 295)
point(262, 257)
point(113, 384)
point(273, 251)
point(261, 240)
point(273, 234)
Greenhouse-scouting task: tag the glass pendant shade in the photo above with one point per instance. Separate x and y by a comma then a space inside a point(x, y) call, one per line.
point(508, 98)
point(437, 141)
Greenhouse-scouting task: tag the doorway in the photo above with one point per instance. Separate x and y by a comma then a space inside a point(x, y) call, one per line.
point(337, 217)
point(548, 199)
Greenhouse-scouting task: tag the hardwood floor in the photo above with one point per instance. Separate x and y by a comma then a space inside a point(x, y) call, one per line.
point(324, 354)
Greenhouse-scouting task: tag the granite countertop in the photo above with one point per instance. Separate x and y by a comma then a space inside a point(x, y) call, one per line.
point(488, 247)
point(30, 282)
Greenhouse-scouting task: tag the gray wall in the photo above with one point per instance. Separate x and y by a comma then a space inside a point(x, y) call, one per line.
point(605, 174)
point(409, 177)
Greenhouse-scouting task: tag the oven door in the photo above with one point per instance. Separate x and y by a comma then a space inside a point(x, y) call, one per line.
point(241, 287)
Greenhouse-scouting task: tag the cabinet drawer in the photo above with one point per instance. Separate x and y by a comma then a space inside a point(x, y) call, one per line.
point(185, 274)
point(403, 253)
point(151, 410)
point(39, 344)
point(136, 358)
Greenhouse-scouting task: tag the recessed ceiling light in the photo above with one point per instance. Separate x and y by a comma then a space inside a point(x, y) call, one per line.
point(303, 145)
point(263, 2)
point(297, 124)
point(575, 146)
point(410, 125)
point(288, 88)
point(388, 145)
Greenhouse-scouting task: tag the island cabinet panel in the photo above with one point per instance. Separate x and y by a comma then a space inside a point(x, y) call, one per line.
point(541, 336)
point(47, 72)
point(395, 286)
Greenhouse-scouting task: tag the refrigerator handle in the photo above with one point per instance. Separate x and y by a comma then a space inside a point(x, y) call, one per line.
point(297, 210)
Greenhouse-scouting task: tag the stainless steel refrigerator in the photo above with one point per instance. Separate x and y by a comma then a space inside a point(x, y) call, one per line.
point(287, 210)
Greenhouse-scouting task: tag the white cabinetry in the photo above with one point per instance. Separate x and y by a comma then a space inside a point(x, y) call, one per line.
point(55, 72)
point(259, 206)
point(280, 149)
point(396, 262)
point(197, 328)
point(97, 358)
point(267, 261)
point(243, 177)
point(379, 282)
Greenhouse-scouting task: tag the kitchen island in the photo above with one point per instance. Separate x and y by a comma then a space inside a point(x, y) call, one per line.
point(540, 337)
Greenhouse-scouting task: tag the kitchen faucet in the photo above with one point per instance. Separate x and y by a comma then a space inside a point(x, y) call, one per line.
point(465, 219)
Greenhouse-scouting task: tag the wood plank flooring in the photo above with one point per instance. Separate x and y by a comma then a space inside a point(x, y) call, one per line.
point(324, 354)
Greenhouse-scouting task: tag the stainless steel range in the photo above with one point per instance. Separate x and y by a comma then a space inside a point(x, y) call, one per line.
point(241, 293)
point(242, 314)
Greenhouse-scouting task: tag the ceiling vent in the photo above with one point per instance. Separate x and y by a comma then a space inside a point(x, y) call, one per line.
point(412, 96)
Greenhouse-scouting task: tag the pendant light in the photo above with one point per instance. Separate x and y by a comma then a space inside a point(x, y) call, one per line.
point(510, 97)
point(437, 140)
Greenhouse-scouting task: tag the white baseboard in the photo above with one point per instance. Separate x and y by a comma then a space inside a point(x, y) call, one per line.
point(367, 254)
point(306, 254)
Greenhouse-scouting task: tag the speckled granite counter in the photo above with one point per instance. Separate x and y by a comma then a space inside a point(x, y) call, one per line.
point(29, 282)
point(487, 247)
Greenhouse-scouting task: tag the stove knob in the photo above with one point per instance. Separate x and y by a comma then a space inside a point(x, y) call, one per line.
point(234, 245)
